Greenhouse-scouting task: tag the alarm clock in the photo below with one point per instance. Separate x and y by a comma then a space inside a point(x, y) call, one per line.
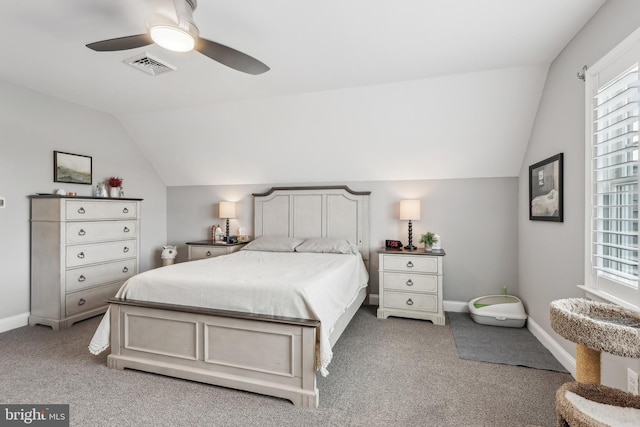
point(393, 244)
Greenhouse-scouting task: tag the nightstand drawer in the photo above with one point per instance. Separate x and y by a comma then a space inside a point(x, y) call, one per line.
point(201, 252)
point(411, 301)
point(80, 232)
point(88, 277)
point(78, 302)
point(411, 282)
point(408, 263)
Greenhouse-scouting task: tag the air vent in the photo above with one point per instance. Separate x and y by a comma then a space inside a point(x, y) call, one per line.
point(149, 64)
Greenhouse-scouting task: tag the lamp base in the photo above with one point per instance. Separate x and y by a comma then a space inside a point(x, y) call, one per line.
point(410, 248)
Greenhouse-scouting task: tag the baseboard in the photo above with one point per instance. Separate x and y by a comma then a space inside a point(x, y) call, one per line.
point(374, 299)
point(456, 306)
point(13, 322)
point(565, 359)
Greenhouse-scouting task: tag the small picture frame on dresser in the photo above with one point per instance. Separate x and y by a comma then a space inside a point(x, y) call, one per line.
point(72, 168)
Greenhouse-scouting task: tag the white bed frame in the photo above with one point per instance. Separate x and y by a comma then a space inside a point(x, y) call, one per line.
point(270, 355)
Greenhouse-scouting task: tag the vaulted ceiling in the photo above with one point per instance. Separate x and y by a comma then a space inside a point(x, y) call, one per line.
point(358, 89)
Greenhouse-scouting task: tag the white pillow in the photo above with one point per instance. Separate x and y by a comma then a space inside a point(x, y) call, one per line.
point(273, 244)
point(327, 245)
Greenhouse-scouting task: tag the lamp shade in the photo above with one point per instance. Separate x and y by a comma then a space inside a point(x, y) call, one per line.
point(409, 209)
point(227, 210)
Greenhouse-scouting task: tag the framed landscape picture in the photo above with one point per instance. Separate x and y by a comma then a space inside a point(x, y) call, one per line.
point(545, 190)
point(72, 168)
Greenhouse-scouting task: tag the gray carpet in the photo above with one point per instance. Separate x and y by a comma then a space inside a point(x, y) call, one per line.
point(393, 372)
point(495, 344)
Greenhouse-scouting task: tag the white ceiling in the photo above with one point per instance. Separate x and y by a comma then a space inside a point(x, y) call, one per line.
point(408, 55)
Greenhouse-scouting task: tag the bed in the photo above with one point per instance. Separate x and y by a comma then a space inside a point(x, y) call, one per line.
point(267, 347)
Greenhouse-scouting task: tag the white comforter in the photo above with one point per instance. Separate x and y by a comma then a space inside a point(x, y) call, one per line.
point(304, 285)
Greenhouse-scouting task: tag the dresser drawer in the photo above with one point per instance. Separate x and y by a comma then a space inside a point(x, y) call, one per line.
point(88, 277)
point(420, 264)
point(78, 255)
point(201, 252)
point(89, 299)
point(80, 232)
point(411, 301)
point(92, 210)
point(411, 282)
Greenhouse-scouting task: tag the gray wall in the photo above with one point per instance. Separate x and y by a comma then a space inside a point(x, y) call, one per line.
point(476, 219)
point(551, 255)
point(32, 126)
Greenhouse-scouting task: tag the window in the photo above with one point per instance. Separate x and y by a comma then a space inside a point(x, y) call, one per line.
point(611, 226)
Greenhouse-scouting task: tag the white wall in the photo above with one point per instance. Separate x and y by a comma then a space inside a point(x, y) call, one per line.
point(551, 262)
point(32, 126)
point(476, 219)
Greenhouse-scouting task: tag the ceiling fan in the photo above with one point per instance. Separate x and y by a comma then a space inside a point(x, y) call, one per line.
point(173, 28)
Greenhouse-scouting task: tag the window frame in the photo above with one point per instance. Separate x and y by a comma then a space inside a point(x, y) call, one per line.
point(597, 285)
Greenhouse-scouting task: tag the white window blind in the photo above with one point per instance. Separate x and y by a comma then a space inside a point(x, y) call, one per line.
point(615, 179)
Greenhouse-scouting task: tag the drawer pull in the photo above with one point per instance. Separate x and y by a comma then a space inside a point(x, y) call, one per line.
point(409, 282)
point(409, 264)
point(125, 270)
point(82, 301)
point(81, 210)
point(409, 301)
point(125, 210)
point(81, 278)
point(126, 229)
point(208, 253)
point(81, 232)
point(125, 250)
point(81, 255)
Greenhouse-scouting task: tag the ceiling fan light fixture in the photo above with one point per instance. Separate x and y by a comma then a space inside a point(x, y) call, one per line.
point(172, 38)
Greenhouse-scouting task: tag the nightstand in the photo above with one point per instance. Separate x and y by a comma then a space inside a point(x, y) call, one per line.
point(411, 284)
point(208, 248)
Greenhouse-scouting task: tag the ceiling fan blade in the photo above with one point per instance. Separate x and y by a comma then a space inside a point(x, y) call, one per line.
point(121, 43)
point(230, 57)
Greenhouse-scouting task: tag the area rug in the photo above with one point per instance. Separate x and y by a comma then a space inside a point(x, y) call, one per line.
point(495, 344)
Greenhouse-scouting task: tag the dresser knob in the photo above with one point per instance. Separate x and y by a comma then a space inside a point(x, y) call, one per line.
point(81, 255)
point(409, 282)
point(208, 253)
point(82, 301)
point(125, 270)
point(81, 210)
point(125, 210)
point(409, 264)
point(81, 232)
point(126, 229)
point(409, 301)
point(125, 250)
point(81, 278)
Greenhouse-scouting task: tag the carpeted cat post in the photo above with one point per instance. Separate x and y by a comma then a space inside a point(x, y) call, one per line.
point(595, 327)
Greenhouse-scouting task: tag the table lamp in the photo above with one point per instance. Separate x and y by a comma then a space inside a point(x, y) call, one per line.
point(227, 210)
point(410, 210)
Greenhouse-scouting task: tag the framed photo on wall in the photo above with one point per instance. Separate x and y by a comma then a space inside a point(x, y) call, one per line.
point(545, 190)
point(72, 168)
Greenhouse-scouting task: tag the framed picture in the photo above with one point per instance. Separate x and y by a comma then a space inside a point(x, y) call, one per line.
point(72, 168)
point(545, 190)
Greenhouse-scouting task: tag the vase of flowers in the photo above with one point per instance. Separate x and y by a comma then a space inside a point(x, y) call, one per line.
point(114, 183)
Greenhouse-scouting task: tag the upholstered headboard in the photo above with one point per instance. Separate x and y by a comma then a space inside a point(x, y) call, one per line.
point(307, 212)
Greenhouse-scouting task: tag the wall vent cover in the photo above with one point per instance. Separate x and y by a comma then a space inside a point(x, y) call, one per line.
point(149, 64)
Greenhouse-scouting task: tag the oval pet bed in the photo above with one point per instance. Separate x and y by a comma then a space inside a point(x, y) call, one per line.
point(498, 310)
point(596, 327)
point(594, 405)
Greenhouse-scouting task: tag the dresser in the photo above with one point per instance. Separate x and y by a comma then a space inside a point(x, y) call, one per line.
point(411, 284)
point(82, 251)
point(208, 248)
